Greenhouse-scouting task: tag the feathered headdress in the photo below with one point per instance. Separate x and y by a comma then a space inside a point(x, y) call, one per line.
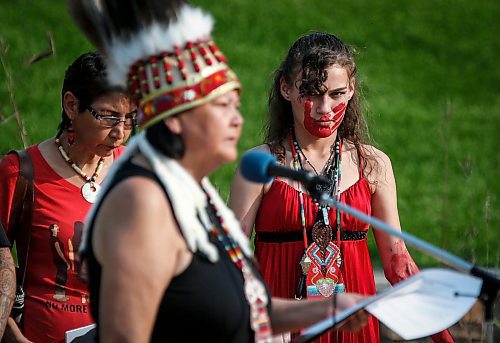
point(161, 51)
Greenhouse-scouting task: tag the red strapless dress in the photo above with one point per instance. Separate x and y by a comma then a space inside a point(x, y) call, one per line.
point(279, 247)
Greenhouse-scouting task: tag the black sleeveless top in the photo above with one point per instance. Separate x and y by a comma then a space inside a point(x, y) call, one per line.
point(206, 303)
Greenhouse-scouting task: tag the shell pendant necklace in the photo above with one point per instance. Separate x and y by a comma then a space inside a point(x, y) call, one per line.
point(90, 188)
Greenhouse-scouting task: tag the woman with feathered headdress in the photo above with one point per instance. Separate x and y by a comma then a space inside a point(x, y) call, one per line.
point(167, 260)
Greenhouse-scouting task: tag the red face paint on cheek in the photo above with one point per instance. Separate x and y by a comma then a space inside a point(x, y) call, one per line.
point(323, 127)
point(338, 115)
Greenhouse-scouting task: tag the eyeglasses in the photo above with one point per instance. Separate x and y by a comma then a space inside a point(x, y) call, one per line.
point(112, 121)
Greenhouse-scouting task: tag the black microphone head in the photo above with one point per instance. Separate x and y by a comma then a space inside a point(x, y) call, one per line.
point(255, 166)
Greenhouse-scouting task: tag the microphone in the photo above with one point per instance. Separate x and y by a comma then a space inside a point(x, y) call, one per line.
point(262, 167)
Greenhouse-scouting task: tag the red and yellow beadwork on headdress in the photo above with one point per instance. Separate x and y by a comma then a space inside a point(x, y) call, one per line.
point(174, 81)
point(163, 54)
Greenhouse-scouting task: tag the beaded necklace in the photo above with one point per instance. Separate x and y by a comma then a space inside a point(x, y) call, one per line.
point(90, 188)
point(322, 233)
point(332, 172)
point(255, 291)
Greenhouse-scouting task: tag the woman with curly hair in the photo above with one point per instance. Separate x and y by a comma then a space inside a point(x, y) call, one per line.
point(316, 124)
point(167, 260)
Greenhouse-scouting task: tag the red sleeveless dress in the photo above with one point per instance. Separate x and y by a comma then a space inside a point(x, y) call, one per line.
point(279, 247)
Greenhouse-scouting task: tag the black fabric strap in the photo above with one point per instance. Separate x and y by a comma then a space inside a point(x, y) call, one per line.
point(22, 211)
point(296, 236)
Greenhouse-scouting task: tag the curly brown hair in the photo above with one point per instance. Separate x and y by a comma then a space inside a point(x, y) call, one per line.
point(311, 55)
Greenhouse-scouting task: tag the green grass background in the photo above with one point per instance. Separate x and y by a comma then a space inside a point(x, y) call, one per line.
point(431, 86)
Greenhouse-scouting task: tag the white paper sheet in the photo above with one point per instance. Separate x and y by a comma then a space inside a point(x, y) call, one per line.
point(431, 301)
point(72, 334)
point(419, 306)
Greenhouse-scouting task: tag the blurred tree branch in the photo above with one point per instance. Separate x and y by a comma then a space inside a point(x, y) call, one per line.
point(4, 118)
point(10, 88)
point(51, 51)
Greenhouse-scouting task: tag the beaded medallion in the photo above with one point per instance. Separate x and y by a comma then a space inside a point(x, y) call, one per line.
point(322, 259)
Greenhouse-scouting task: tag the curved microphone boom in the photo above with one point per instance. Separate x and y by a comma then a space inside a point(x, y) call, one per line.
point(262, 167)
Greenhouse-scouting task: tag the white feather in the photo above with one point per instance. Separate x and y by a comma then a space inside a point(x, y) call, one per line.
point(192, 24)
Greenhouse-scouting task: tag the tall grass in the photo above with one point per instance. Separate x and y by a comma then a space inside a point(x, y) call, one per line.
point(15, 115)
point(428, 70)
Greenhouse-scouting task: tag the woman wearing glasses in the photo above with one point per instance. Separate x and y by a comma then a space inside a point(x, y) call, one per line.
point(68, 170)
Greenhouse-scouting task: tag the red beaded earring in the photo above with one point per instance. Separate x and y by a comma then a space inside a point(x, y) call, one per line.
point(71, 134)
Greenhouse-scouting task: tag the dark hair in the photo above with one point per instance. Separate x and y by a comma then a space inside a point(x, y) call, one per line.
point(311, 55)
point(86, 78)
point(165, 141)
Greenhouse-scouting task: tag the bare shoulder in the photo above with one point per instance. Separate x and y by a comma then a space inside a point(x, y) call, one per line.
point(375, 154)
point(262, 147)
point(378, 166)
point(138, 191)
point(135, 227)
point(137, 199)
point(375, 158)
point(132, 215)
point(259, 148)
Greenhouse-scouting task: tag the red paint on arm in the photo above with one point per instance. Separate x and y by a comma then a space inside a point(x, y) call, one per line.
point(402, 265)
point(443, 337)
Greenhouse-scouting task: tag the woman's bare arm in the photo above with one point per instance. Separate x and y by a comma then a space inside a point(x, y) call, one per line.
point(8, 286)
point(138, 244)
point(245, 198)
point(396, 260)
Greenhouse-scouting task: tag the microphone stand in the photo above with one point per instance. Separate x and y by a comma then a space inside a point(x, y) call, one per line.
point(491, 284)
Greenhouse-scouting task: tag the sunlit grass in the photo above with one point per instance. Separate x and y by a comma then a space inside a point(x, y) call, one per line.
point(416, 59)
